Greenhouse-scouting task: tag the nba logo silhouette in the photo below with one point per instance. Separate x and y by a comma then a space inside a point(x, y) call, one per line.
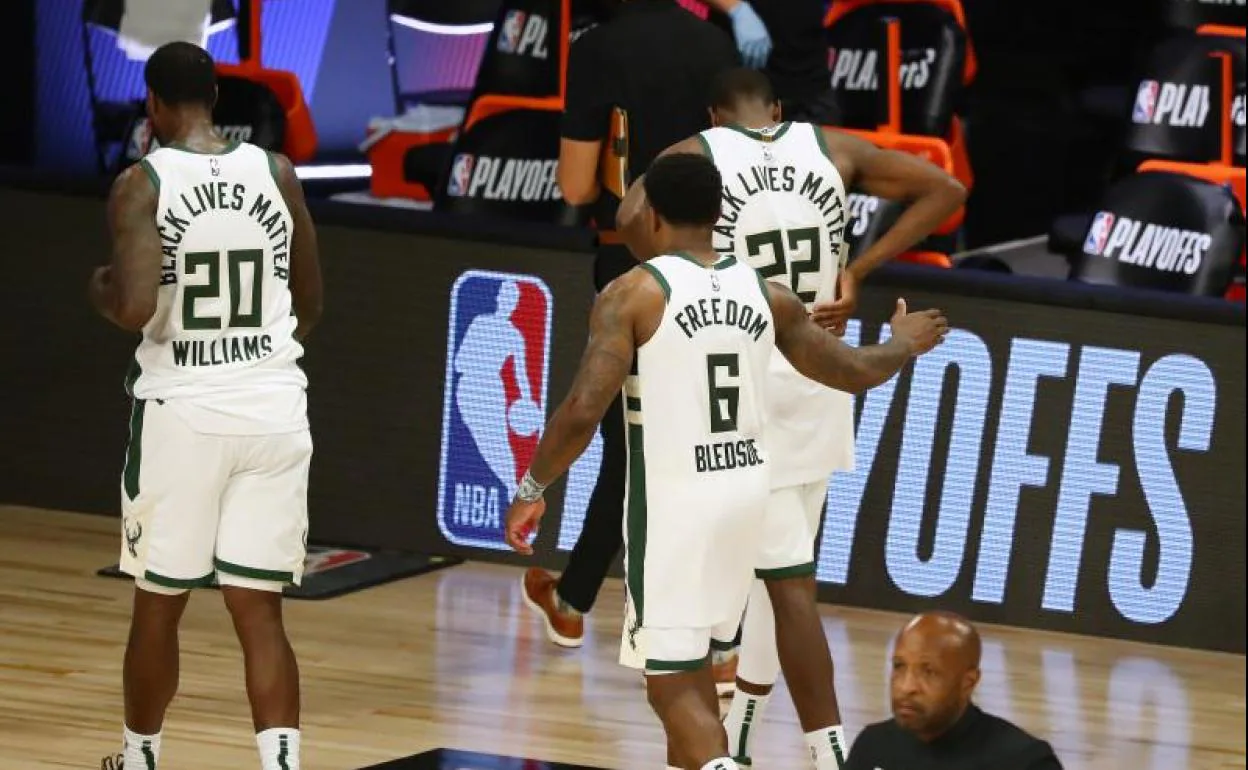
point(1098, 234)
point(1145, 102)
point(461, 175)
point(494, 405)
point(509, 35)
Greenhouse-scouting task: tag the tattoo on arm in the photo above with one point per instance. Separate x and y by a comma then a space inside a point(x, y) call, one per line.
point(604, 367)
point(126, 293)
point(822, 356)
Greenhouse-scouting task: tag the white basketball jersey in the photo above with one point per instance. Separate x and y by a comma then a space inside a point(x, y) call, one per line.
point(220, 347)
point(703, 372)
point(784, 215)
point(697, 469)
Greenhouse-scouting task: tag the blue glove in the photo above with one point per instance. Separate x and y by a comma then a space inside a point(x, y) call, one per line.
point(752, 38)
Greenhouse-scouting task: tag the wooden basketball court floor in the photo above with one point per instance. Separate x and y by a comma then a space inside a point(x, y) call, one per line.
point(454, 659)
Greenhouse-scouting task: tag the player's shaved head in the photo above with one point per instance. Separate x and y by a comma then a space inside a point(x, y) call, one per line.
point(935, 671)
point(743, 96)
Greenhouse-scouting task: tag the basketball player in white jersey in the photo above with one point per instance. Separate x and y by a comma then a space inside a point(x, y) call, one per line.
point(215, 263)
point(689, 337)
point(784, 213)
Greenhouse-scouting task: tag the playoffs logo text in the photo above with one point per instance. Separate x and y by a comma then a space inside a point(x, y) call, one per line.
point(1178, 105)
point(485, 177)
point(1144, 244)
point(524, 34)
point(494, 405)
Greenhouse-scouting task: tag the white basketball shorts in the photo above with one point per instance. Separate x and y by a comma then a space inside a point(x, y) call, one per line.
point(197, 506)
point(789, 531)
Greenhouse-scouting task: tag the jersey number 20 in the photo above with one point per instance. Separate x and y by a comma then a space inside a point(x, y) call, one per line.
point(241, 317)
point(781, 258)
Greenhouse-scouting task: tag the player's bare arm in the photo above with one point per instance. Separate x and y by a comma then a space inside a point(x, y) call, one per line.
point(823, 358)
point(626, 313)
point(124, 291)
point(306, 288)
point(933, 196)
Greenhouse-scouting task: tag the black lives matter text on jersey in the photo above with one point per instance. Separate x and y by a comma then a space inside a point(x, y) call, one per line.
point(726, 455)
point(175, 220)
point(779, 179)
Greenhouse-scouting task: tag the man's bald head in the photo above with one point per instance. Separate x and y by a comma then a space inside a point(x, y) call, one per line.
point(935, 670)
point(949, 632)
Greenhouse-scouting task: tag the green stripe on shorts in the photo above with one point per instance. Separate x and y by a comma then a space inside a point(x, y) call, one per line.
point(239, 570)
point(675, 665)
point(168, 582)
point(636, 515)
point(134, 450)
point(796, 571)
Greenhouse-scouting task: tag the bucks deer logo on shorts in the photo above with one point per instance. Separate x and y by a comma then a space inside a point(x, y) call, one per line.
point(494, 403)
point(133, 536)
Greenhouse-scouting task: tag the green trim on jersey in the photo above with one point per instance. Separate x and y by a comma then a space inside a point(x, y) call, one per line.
point(134, 450)
point(633, 404)
point(755, 134)
point(273, 168)
point(706, 146)
point(229, 148)
point(151, 174)
point(658, 276)
point(823, 141)
point(762, 286)
point(239, 570)
point(636, 521)
point(722, 264)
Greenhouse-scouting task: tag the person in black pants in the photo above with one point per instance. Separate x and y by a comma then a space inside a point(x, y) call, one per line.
point(649, 67)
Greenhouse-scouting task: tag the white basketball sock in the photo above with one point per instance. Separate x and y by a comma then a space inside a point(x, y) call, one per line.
point(279, 748)
point(827, 747)
point(723, 763)
point(141, 752)
point(744, 715)
point(759, 661)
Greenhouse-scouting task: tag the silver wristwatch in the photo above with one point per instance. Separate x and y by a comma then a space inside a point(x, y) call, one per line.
point(529, 490)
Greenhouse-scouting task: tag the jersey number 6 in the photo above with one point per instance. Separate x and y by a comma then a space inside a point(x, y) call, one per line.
point(210, 261)
point(725, 399)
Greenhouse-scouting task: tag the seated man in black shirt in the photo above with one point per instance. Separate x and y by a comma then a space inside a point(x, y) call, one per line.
point(935, 726)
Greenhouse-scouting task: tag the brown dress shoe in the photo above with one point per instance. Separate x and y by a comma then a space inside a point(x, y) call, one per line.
point(566, 629)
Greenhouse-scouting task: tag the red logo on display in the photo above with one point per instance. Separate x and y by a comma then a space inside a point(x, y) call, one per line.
point(331, 559)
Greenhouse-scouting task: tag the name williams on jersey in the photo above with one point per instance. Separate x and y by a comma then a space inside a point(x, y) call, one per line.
point(205, 268)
